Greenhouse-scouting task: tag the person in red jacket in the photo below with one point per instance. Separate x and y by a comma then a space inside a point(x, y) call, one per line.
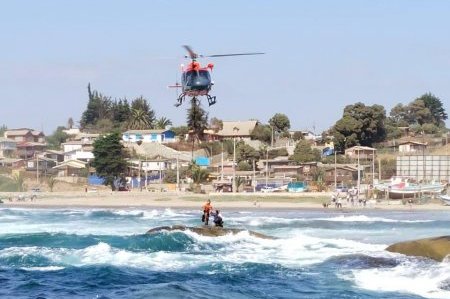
point(207, 208)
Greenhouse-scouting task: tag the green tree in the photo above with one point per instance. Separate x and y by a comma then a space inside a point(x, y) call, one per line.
point(180, 131)
point(262, 133)
point(239, 181)
point(216, 124)
point(142, 104)
point(244, 166)
point(298, 136)
point(138, 120)
point(360, 125)
point(3, 129)
point(51, 182)
point(109, 158)
point(98, 107)
point(303, 152)
point(121, 112)
point(19, 182)
point(436, 108)
point(419, 113)
point(162, 123)
point(197, 119)
point(245, 152)
point(59, 136)
point(280, 122)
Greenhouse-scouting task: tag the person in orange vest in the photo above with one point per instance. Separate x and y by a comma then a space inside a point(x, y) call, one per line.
point(207, 208)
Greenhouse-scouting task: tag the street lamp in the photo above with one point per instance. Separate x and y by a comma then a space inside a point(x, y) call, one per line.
point(233, 183)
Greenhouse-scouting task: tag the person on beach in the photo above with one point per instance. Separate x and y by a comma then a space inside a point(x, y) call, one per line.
point(207, 208)
point(218, 220)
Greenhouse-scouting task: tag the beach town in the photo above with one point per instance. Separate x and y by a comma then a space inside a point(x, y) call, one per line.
point(301, 151)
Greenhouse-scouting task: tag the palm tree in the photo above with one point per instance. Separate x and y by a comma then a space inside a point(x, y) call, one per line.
point(139, 120)
point(51, 182)
point(239, 181)
point(162, 123)
point(19, 181)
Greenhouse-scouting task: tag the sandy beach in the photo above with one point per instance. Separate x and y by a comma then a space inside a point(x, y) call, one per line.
point(108, 199)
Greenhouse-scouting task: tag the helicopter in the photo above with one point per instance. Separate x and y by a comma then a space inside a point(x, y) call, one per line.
point(196, 80)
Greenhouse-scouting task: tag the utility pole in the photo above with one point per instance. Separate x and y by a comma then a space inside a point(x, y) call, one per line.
point(254, 177)
point(267, 165)
point(233, 183)
point(221, 172)
point(359, 173)
point(335, 169)
point(178, 176)
point(373, 168)
point(37, 168)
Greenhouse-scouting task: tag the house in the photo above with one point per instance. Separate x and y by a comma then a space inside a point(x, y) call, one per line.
point(278, 161)
point(57, 156)
point(237, 129)
point(146, 136)
point(345, 174)
point(71, 168)
point(40, 163)
point(12, 162)
point(85, 137)
point(27, 150)
point(8, 147)
point(286, 170)
point(73, 145)
point(25, 135)
point(28, 141)
point(79, 154)
point(411, 147)
point(361, 152)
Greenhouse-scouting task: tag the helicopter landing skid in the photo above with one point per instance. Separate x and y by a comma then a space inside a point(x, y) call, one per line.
point(211, 100)
point(180, 100)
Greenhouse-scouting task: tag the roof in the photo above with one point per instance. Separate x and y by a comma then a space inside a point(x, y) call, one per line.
point(287, 167)
point(80, 136)
point(71, 164)
point(77, 142)
point(22, 132)
point(237, 128)
point(159, 131)
point(360, 148)
point(413, 142)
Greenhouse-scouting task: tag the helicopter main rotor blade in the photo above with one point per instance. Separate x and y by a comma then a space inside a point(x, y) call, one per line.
point(236, 54)
point(191, 52)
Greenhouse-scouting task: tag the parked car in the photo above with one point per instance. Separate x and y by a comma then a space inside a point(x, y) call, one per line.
point(267, 189)
point(342, 189)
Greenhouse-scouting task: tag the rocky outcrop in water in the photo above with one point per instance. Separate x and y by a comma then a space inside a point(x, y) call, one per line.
point(209, 231)
point(434, 248)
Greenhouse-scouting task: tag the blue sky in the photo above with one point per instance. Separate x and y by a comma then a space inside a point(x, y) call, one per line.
point(321, 56)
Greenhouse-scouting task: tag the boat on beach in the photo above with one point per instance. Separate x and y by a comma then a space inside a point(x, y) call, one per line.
point(402, 187)
point(445, 199)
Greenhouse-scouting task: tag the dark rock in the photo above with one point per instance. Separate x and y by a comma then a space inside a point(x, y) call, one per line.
point(434, 248)
point(209, 231)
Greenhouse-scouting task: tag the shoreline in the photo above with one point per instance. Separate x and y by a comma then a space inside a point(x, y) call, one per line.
point(254, 202)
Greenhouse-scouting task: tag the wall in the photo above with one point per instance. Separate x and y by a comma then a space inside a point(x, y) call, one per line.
point(426, 167)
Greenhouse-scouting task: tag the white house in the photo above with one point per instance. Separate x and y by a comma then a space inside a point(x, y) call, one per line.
point(78, 154)
point(147, 136)
point(76, 145)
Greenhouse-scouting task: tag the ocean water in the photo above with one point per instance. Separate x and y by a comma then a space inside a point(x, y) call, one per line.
point(100, 253)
